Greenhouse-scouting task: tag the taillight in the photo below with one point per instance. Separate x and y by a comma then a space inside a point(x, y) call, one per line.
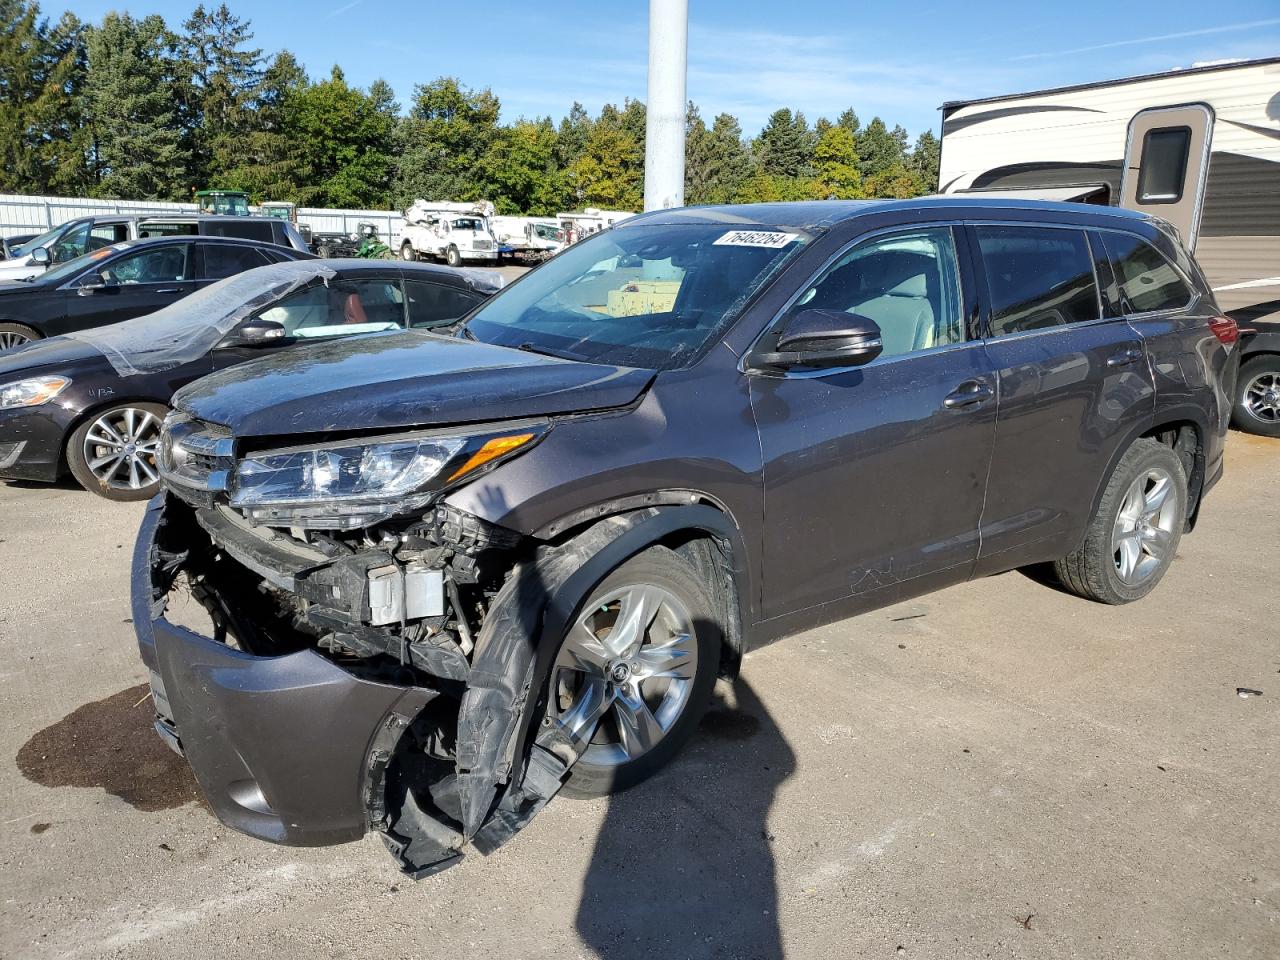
point(1225, 329)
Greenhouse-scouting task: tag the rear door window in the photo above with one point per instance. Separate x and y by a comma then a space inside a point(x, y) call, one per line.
point(224, 260)
point(261, 231)
point(1037, 277)
point(105, 234)
point(433, 304)
point(1148, 282)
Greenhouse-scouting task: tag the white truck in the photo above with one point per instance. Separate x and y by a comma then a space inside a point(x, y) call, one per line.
point(527, 238)
point(456, 233)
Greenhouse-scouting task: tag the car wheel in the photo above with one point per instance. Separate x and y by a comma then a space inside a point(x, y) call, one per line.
point(113, 453)
point(15, 335)
point(1134, 536)
point(407, 252)
point(634, 674)
point(453, 257)
point(1257, 406)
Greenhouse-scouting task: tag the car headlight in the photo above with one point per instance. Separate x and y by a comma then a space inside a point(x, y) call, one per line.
point(350, 484)
point(31, 392)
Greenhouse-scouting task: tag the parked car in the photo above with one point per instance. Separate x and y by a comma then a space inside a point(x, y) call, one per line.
point(65, 242)
point(122, 281)
point(11, 245)
point(449, 576)
point(91, 403)
point(263, 229)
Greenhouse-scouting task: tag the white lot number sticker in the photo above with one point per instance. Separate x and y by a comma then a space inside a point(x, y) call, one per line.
point(756, 238)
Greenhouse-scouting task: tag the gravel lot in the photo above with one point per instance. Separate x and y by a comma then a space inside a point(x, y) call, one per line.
point(998, 770)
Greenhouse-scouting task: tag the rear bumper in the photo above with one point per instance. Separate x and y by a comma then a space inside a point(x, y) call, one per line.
point(290, 749)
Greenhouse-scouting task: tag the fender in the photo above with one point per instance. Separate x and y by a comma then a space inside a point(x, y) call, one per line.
point(1259, 342)
point(513, 660)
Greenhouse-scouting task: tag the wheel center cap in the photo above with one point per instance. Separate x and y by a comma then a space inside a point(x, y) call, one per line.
point(620, 672)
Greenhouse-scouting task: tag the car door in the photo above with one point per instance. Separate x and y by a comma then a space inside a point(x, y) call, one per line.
point(323, 311)
point(1074, 384)
point(217, 261)
point(874, 475)
point(133, 283)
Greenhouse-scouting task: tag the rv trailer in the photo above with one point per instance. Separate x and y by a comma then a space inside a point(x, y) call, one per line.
point(1198, 147)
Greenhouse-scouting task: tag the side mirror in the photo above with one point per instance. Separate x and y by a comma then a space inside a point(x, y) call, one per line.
point(826, 338)
point(40, 257)
point(91, 284)
point(258, 333)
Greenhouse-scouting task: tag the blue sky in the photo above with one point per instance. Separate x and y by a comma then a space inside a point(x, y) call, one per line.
point(899, 60)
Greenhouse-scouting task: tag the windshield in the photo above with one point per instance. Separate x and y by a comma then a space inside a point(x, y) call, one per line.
point(64, 271)
point(546, 231)
point(644, 296)
point(234, 206)
point(43, 240)
point(467, 223)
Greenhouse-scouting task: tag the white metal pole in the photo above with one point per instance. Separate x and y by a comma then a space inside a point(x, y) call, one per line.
point(664, 124)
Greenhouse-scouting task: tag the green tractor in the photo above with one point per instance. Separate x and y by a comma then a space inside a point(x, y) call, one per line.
point(230, 203)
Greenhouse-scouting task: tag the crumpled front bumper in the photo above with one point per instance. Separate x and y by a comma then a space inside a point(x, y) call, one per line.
point(290, 749)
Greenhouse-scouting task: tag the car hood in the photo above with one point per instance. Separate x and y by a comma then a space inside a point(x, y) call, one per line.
point(18, 268)
point(400, 380)
point(39, 356)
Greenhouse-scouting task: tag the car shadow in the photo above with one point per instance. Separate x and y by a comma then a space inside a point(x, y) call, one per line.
point(683, 865)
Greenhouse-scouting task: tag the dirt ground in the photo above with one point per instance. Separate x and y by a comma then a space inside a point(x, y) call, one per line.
point(997, 770)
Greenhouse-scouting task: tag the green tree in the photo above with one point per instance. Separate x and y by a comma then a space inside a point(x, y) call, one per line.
point(881, 149)
point(572, 136)
point(836, 157)
point(924, 160)
point(785, 146)
point(849, 120)
point(265, 168)
point(138, 150)
point(717, 162)
point(519, 172)
point(42, 140)
point(609, 173)
point(341, 142)
point(441, 142)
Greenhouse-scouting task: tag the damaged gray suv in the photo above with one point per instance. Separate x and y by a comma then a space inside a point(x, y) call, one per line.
point(449, 574)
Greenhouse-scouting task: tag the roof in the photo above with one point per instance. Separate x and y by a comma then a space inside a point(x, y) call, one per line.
point(1189, 71)
point(821, 214)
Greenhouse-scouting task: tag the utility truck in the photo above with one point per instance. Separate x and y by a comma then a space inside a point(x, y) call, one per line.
point(527, 238)
point(456, 233)
point(576, 224)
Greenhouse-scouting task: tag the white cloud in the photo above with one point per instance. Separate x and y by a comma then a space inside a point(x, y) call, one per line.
point(1182, 35)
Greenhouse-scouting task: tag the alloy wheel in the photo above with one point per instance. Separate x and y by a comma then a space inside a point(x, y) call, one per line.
point(625, 672)
point(1262, 397)
point(1144, 527)
point(120, 448)
point(11, 339)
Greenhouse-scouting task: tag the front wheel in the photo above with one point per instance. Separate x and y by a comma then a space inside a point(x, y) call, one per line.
point(14, 335)
point(407, 252)
point(1133, 537)
point(113, 453)
point(452, 257)
point(1257, 400)
point(634, 674)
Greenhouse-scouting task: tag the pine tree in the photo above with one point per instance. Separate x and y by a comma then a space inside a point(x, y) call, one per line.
point(138, 150)
point(265, 169)
point(924, 160)
point(785, 146)
point(572, 136)
point(225, 75)
point(717, 162)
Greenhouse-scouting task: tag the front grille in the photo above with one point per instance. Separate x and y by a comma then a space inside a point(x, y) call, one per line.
point(196, 458)
point(482, 244)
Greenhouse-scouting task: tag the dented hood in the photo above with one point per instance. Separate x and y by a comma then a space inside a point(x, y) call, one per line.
point(393, 381)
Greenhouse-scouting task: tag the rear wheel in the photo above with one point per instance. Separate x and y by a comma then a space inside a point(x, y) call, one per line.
point(1257, 401)
point(634, 674)
point(113, 453)
point(1134, 535)
point(15, 335)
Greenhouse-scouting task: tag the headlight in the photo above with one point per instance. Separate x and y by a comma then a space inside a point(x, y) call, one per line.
point(32, 392)
point(347, 485)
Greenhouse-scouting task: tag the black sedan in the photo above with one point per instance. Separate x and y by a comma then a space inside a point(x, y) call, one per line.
point(92, 402)
point(122, 281)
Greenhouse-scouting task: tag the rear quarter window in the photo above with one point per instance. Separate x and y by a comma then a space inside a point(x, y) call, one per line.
point(247, 231)
point(1037, 277)
point(1148, 281)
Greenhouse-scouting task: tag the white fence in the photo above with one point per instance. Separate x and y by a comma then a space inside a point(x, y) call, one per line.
point(20, 213)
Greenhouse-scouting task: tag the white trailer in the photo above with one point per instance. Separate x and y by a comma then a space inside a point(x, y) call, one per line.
point(456, 233)
point(1198, 147)
point(577, 224)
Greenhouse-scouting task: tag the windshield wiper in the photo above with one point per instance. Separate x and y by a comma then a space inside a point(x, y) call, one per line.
point(528, 347)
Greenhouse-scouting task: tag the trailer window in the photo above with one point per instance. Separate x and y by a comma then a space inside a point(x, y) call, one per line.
point(1163, 168)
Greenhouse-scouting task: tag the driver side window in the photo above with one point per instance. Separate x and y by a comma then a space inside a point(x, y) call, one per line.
point(166, 264)
point(340, 307)
point(908, 283)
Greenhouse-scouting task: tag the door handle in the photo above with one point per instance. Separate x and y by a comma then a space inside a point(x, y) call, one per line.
point(1124, 358)
point(169, 290)
point(968, 394)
